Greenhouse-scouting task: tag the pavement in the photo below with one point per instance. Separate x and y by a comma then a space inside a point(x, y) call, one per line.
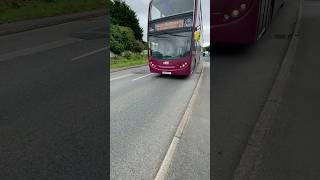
point(191, 159)
point(291, 150)
point(53, 102)
point(145, 110)
point(243, 77)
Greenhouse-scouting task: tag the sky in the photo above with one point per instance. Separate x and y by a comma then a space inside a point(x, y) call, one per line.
point(141, 9)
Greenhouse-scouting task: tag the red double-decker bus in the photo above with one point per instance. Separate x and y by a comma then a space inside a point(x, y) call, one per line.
point(174, 36)
point(241, 21)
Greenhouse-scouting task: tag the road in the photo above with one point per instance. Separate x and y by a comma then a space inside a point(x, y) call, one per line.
point(53, 102)
point(242, 79)
point(291, 149)
point(145, 110)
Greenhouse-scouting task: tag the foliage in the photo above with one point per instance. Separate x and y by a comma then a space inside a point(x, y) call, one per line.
point(123, 15)
point(116, 47)
point(127, 54)
point(145, 45)
point(17, 10)
point(121, 39)
point(134, 59)
point(138, 46)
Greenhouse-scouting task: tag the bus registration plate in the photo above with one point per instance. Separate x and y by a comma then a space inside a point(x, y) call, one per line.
point(164, 72)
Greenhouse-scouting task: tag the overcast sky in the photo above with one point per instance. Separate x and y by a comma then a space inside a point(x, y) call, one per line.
point(141, 8)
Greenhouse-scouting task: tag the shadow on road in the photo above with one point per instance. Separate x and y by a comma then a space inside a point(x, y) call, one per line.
point(225, 50)
point(174, 77)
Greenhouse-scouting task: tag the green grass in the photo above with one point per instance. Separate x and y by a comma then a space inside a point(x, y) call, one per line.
point(134, 60)
point(34, 9)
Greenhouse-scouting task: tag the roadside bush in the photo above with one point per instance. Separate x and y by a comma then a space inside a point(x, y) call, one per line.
point(12, 3)
point(145, 44)
point(127, 54)
point(122, 39)
point(138, 46)
point(50, 1)
point(116, 47)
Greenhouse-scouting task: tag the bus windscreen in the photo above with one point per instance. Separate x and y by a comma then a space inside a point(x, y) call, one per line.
point(170, 45)
point(165, 8)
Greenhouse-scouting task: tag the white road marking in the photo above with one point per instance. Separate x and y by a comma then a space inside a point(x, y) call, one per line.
point(89, 54)
point(141, 77)
point(121, 77)
point(38, 49)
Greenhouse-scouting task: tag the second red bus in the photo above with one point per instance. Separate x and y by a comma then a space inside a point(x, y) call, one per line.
point(241, 21)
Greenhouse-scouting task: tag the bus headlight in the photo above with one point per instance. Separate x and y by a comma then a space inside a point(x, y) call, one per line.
point(183, 65)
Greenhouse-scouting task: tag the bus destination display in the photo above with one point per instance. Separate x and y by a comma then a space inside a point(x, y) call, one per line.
point(171, 24)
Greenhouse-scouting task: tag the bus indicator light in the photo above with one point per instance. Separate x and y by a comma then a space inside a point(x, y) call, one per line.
point(243, 7)
point(184, 65)
point(235, 13)
point(226, 17)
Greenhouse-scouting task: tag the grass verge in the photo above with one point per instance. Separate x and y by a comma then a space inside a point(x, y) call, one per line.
point(34, 9)
point(133, 60)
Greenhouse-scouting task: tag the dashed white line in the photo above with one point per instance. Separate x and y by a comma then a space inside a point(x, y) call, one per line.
point(141, 77)
point(38, 49)
point(89, 54)
point(121, 77)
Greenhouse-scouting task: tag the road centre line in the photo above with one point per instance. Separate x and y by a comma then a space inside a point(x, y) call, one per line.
point(88, 54)
point(121, 77)
point(37, 49)
point(141, 77)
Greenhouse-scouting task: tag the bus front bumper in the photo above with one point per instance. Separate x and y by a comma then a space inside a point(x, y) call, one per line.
point(183, 71)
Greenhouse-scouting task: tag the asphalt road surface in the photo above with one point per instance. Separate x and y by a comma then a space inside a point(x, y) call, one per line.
point(53, 102)
point(145, 112)
point(291, 150)
point(243, 77)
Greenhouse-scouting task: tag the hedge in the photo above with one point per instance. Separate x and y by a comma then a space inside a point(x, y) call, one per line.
point(122, 39)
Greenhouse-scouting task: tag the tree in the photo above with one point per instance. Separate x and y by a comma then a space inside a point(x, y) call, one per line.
point(123, 15)
point(121, 39)
point(138, 47)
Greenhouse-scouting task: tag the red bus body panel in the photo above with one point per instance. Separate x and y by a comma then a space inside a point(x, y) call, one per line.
point(241, 30)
